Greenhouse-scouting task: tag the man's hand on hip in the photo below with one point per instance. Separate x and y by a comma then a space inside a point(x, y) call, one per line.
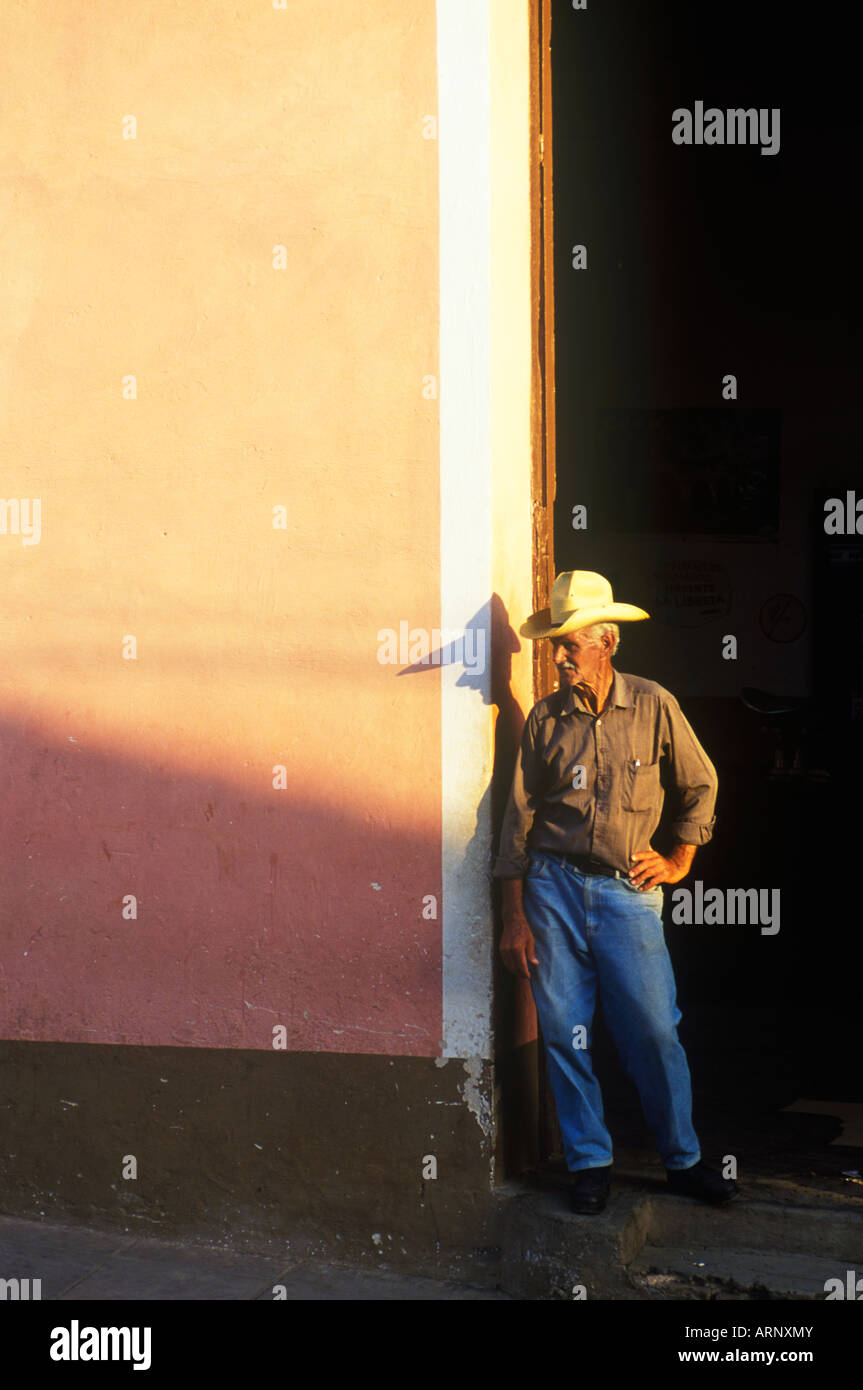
point(649, 869)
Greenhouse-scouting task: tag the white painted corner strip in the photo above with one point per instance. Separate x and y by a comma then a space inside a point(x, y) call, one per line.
point(465, 476)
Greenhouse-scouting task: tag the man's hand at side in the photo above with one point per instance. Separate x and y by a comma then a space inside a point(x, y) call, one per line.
point(516, 944)
point(649, 868)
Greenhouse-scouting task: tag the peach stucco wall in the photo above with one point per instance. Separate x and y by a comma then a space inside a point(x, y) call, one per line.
point(257, 388)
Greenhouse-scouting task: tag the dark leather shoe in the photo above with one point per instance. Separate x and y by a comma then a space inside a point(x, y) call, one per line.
point(589, 1188)
point(702, 1182)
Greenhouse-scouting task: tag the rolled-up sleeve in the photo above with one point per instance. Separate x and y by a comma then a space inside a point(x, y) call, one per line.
point(689, 778)
point(512, 859)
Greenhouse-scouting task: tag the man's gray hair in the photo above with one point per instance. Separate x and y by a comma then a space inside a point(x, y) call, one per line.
point(596, 630)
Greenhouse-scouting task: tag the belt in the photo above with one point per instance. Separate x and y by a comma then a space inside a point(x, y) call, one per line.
point(587, 865)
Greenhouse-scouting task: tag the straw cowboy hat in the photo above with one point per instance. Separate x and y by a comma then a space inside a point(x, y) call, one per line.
point(578, 599)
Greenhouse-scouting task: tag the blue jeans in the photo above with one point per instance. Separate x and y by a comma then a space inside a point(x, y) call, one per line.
point(602, 933)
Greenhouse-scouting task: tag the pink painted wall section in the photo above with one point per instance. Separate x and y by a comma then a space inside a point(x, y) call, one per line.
point(245, 517)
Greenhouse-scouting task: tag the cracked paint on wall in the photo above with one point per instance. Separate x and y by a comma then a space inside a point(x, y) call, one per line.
point(475, 1097)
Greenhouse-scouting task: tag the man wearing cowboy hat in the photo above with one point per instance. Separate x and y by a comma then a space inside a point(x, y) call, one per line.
point(582, 894)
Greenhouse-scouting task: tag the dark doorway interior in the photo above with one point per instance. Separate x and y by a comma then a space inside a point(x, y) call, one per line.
point(709, 510)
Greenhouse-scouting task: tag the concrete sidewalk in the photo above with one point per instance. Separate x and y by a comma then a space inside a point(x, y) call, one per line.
point(796, 1225)
point(75, 1264)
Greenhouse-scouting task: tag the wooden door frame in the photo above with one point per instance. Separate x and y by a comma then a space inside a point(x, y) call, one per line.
point(543, 461)
point(542, 386)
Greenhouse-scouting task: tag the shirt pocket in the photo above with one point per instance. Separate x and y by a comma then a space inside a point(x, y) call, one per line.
point(642, 790)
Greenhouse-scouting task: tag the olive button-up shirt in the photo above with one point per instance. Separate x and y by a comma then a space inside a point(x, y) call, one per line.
point(595, 784)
